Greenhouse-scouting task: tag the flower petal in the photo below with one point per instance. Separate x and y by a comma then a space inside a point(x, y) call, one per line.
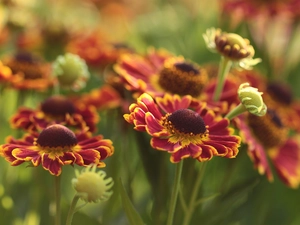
point(153, 127)
point(286, 160)
point(53, 166)
point(87, 157)
point(189, 151)
point(164, 145)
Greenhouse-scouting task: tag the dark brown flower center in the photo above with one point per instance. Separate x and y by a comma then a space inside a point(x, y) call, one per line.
point(186, 121)
point(25, 57)
point(268, 129)
point(280, 93)
point(122, 46)
point(183, 78)
point(57, 136)
point(57, 106)
point(186, 67)
point(27, 64)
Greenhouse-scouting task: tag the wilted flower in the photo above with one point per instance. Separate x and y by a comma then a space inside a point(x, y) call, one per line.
point(71, 71)
point(232, 47)
point(92, 186)
point(57, 146)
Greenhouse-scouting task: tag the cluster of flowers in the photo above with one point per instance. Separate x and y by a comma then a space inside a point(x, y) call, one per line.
point(189, 110)
point(185, 107)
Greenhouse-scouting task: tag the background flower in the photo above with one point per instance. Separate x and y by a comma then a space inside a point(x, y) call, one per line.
point(55, 147)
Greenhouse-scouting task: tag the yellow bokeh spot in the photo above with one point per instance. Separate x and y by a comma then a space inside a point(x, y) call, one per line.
point(7, 202)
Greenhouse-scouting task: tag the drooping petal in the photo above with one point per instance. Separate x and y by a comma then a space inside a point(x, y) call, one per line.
point(164, 145)
point(255, 150)
point(87, 157)
point(53, 166)
point(189, 151)
point(286, 161)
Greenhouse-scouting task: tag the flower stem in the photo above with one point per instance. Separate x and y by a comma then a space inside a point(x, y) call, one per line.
point(193, 201)
point(175, 192)
point(225, 65)
point(57, 200)
point(236, 111)
point(56, 89)
point(72, 210)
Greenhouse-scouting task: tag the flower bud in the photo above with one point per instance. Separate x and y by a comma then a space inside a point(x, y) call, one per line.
point(92, 186)
point(71, 71)
point(252, 100)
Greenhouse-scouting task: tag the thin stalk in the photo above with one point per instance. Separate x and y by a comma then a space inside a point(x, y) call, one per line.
point(56, 89)
point(175, 192)
point(72, 210)
point(236, 111)
point(182, 201)
point(192, 204)
point(225, 65)
point(57, 182)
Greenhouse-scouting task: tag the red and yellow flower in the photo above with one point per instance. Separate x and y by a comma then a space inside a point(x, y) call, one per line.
point(56, 110)
point(105, 97)
point(254, 8)
point(159, 72)
point(57, 146)
point(277, 95)
point(96, 50)
point(267, 138)
point(183, 132)
point(29, 72)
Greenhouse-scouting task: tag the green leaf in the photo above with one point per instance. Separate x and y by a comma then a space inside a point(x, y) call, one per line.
point(227, 203)
point(132, 215)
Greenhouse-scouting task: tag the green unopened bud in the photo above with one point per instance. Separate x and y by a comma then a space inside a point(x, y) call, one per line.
point(92, 186)
point(71, 71)
point(252, 99)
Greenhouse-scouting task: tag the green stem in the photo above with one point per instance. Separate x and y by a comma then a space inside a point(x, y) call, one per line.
point(192, 204)
point(56, 89)
point(182, 202)
point(225, 65)
point(72, 210)
point(236, 111)
point(57, 200)
point(175, 192)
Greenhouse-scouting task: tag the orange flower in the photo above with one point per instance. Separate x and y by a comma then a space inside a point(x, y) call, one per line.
point(29, 72)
